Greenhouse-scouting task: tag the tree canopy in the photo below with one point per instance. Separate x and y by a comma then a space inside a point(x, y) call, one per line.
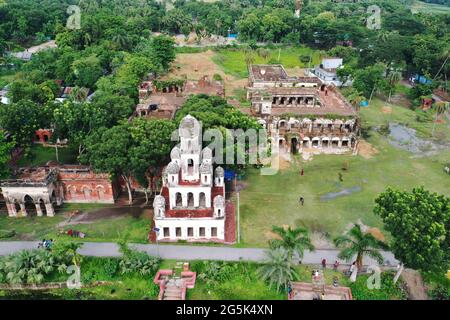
point(419, 222)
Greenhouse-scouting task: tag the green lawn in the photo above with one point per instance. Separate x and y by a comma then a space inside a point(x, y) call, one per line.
point(232, 61)
point(273, 200)
point(112, 229)
point(40, 155)
point(374, 116)
point(419, 6)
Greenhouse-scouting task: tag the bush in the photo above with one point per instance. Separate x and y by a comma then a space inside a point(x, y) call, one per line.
point(384, 129)
point(111, 267)
point(4, 234)
point(423, 116)
point(217, 77)
point(304, 58)
point(440, 293)
point(388, 290)
point(137, 262)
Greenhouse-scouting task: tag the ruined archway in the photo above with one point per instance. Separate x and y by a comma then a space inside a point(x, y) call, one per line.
point(294, 145)
point(30, 206)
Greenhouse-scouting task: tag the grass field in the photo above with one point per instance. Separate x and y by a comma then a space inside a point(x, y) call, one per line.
point(273, 200)
point(233, 61)
point(375, 116)
point(40, 155)
point(419, 6)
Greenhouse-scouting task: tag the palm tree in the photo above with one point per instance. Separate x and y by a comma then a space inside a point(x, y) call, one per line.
point(249, 58)
point(356, 242)
point(356, 98)
point(393, 78)
point(278, 269)
point(441, 107)
point(292, 240)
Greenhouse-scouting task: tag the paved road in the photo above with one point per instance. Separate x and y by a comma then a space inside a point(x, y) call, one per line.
point(179, 252)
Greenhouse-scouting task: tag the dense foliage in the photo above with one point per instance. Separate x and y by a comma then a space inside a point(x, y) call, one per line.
point(419, 222)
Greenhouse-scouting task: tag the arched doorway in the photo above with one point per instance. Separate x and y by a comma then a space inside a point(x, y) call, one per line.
point(190, 199)
point(87, 193)
point(17, 206)
point(294, 145)
point(322, 87)
point(30, 206)
point(42, 206)
point(178, 200)
point(101, 192)
point(202, 199)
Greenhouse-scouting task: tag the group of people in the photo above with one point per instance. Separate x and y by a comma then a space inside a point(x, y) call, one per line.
point(335, 264)
point(45, 244)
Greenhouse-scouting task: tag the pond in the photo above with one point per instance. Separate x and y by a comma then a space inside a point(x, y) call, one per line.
point(343, 192)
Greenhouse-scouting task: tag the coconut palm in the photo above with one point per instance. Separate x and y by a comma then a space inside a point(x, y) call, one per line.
point(249, 58)
point(356, 98)
point(356, 242)
point(278, 268)
point(292, 240)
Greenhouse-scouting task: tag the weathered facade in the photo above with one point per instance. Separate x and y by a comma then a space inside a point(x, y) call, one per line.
point(302, 113)
point(163, 103)
point(192, 203)
point(37, 191)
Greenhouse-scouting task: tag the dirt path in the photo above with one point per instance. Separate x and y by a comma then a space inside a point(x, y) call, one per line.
point(414, 282)
point(195, 65)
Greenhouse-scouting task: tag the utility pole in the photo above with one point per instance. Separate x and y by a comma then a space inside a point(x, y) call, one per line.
point(56, 147)
point(238, 211)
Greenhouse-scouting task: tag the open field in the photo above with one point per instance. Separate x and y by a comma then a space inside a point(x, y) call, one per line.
point(381, 112)
point(274, 200)
point(100, 222)
point(195, 65)
point(419, 6)
point(233, 61)
point(40, 155)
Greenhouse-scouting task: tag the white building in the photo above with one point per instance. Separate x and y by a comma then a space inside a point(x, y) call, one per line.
point(192, 204)
point(327, 72)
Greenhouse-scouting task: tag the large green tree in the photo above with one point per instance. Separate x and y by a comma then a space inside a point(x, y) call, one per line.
point(75, 121)
point(130, 150)
point(21, 120)
point(5, 155)
point(419, 222)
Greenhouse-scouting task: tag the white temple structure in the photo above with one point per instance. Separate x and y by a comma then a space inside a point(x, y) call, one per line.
point(192, 204)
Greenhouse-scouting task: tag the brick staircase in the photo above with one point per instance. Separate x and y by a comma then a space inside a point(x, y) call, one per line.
point(173, 291)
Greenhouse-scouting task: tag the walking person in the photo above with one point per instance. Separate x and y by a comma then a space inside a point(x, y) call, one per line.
point(336, 265)
point(324, 263)
point(302, 201)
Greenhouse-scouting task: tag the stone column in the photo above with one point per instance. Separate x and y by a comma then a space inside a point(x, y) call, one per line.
point(310, 127)
point(11, 209)
point(38, 209)
point(340, 144)
point(23, 209)
point(50, 210)
point(184, 199)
